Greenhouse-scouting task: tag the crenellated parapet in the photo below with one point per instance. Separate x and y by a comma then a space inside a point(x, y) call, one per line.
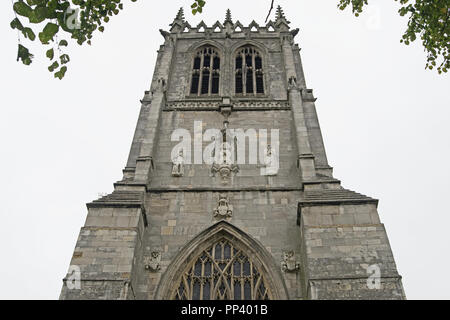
point(230, 29)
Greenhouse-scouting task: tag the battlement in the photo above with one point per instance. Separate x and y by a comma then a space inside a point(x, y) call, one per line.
point(230, 29)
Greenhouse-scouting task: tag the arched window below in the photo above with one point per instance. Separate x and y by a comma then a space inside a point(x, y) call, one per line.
point(222, 272)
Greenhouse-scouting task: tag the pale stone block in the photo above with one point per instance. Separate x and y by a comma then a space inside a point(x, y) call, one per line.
point(166, 231)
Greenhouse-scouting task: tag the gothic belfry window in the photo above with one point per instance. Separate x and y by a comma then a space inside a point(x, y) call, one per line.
point(222, 272)
point(205, 72)
point(249, 79)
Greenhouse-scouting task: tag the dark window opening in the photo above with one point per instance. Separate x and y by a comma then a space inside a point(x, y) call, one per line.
point(207, 61)
point(259, 83)
point(258, 63)
point(248, 60)
point(249, 86)
point(215, 84)
point(194, 86)
point(239, 62)
point(205, 83)
point(239, 87)
point(216, 63)
point(197, 62)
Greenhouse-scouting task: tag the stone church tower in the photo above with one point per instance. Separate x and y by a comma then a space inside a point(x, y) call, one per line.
point(227, 192)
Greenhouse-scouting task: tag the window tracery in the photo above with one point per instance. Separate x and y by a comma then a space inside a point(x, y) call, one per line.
point(205, 72)
point(249, 73)
point(222, 272)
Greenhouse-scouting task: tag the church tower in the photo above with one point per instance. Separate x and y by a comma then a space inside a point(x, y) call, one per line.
point(227, 193)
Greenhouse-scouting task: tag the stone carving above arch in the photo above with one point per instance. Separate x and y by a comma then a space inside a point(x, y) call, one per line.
point(224, 209)
point(267, 280)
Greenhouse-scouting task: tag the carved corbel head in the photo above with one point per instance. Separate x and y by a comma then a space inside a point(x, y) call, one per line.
point(153, 262)
point(289, 264)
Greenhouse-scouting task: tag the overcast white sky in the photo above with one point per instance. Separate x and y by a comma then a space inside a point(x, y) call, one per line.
point(385, 122)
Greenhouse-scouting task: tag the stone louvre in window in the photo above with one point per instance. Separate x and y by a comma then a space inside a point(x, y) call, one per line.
point(249, 79)
point(205, 72)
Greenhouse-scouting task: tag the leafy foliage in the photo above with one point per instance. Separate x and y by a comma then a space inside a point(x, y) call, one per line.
point(428, 21)
point(197, 6)
point(72, 19)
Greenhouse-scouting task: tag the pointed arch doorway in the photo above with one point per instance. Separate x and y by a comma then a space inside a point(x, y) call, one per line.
point(222, 263)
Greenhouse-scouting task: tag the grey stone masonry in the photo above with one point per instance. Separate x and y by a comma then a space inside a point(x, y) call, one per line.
point(309, 237)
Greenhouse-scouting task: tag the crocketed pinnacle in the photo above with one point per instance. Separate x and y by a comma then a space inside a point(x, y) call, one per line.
point(281, 18)
point(280, 14)
point(180, 15)
point(228, 18)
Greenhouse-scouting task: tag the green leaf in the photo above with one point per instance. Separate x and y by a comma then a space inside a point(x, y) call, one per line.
point(16, 24)
point(38, 15)
point(28, 33)
point(35, 2)
point(64, 59)
point(63, 43)
point(21, 8)
point(48, 33)
point(53, 66)
point(24, 55)
point(50, 53)
point(61, 73)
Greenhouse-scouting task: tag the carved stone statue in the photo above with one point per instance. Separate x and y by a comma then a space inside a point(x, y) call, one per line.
point(271, 162)
point(224, 162)
point(289, 264)
point(178, 165)
point(292, 83)
point(152, 263)
point(224, 209)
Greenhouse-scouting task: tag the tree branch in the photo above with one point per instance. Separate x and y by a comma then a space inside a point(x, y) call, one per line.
point(270, 11)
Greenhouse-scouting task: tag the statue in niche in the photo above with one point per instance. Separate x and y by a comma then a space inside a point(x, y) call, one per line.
point(271, 162)
point(224, 210)
point(289, 264)
point(224, 161)
point(178, 165)
point(292, 83)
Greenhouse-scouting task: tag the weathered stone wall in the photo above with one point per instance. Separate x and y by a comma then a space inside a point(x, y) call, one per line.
point(340, 243)
point(355, 289)
point(105, 252)
point(199, 175)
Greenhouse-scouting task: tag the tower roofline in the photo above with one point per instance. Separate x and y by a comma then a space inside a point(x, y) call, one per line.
point(281, 24)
